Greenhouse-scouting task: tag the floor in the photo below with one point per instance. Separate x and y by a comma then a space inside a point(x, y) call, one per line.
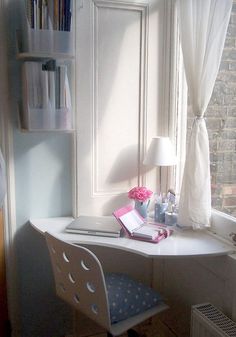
point(174, 322)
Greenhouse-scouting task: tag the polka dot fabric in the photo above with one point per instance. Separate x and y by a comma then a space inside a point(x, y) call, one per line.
point(128, 297)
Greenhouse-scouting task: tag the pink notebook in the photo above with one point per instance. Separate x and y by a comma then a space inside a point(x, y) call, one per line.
point(136, 228)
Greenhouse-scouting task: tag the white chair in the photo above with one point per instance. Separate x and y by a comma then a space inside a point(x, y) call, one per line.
point(113, 300)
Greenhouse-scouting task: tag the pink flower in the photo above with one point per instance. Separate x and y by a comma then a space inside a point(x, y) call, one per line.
point(140, 193)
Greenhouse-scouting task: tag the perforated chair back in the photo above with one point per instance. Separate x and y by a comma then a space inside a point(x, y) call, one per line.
point(79, 279)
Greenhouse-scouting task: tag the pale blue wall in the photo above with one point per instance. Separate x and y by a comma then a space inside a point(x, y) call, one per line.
point(43, 189)
point(43, 174)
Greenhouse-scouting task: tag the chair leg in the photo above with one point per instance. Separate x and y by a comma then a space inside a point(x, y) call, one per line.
point(132, 333)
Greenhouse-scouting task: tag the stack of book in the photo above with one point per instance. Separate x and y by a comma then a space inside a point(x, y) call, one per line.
point(49, 14)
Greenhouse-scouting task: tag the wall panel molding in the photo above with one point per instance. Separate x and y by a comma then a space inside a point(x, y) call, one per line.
point(137, 27)
point(101, 7)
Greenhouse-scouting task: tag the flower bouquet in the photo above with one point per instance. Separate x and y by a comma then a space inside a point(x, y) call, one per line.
point(141, 196)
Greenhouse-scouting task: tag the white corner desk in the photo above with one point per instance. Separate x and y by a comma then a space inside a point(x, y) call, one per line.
point(182, 243)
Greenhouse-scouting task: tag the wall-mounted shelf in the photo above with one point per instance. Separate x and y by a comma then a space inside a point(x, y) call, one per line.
point(47, 130)
point(39, 56)
point(31, 44)
point(47, 56)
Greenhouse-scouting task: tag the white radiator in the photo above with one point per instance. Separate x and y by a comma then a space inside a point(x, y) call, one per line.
point(208, 321)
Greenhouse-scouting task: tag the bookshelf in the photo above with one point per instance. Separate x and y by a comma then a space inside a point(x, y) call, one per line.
point(45, 45)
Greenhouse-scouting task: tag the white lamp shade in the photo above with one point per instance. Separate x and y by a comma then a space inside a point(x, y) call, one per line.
point(160, 153)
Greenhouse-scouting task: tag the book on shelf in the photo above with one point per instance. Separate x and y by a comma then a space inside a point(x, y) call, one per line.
point(57, 87)
point(51, 88)
point(136, 228)
point(44, 89)
point(49, 14)
point(67, 93)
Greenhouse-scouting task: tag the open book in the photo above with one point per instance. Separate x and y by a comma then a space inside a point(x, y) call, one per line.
point(136, 228)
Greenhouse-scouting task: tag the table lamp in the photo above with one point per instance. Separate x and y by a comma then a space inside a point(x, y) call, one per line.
point(160, 153)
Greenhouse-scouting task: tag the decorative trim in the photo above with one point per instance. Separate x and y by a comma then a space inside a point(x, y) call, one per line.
point(127, 5)
point(164, 106)
point(178, 104)
point(174, 95)
point(9, 213)
point(74, 135)
point(142, 8)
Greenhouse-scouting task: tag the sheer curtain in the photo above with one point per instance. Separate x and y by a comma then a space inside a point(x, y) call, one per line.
point(2, 179)
point(203, 26)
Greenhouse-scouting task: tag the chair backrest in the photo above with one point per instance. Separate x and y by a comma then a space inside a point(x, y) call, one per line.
point(79, 279)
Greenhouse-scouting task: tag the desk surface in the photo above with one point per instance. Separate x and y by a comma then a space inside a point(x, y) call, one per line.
point(181, 243)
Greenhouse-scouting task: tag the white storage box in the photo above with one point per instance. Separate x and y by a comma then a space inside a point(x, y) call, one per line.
point(44, 41)
point(46, 119)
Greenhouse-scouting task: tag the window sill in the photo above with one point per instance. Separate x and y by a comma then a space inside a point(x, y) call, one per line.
point(222, 225)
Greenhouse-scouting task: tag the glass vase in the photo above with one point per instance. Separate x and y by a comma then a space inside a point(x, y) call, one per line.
point(142, 207)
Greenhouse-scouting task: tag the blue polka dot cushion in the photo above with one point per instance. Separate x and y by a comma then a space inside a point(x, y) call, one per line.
point(128, 297)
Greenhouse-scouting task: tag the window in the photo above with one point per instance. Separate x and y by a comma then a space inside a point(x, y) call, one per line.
point(221, 125)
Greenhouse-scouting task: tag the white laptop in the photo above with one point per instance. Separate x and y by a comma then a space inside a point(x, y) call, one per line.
point(95, 225)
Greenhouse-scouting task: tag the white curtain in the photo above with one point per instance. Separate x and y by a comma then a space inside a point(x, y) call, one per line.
point(203, 26)
point(2, 179)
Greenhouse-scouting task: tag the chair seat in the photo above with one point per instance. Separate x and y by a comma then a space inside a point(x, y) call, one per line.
point(128, 297)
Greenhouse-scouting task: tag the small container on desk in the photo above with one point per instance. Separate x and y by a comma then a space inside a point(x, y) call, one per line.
point(171, 218)
point(159, 213)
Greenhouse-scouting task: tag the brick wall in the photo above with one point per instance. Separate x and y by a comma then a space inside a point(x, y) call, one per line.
point(221, 125)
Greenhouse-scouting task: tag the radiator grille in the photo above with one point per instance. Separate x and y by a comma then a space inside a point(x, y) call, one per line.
point(207, 320)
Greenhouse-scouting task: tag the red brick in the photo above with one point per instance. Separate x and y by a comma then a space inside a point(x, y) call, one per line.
point(229, 190)
point(231, 201)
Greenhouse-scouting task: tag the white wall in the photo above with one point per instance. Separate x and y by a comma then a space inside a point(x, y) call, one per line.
point(198, 280)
